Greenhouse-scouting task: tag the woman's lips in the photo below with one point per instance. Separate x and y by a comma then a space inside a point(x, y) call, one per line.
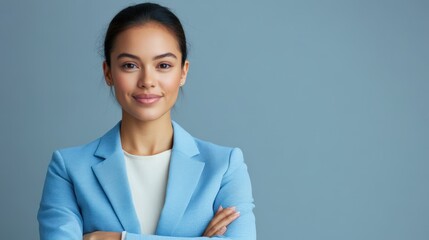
point(147, 98)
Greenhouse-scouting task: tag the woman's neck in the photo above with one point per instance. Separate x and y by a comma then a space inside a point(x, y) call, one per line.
point(146, 137)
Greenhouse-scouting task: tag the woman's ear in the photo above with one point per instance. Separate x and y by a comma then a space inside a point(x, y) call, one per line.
point(107, 74)
point(185, 69)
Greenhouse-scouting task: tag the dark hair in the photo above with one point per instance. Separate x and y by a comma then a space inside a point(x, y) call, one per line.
point(140, 14)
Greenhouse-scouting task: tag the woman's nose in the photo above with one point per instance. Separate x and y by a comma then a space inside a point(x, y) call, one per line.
point(146, 80)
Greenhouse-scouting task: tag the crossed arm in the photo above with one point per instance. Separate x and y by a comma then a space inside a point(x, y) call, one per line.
point(60, 218)
point(217, 226)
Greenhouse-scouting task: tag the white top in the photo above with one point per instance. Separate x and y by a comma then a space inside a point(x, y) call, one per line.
point(147, 176)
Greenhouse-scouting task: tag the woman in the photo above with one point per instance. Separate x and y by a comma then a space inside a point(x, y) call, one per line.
point(146, 178)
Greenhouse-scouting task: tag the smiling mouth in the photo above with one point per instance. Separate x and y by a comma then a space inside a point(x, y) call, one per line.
point(147, 98)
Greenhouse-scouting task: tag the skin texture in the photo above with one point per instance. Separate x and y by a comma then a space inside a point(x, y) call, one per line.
point(146, 128)
point(146, 60)
point(222, 218)
point(102, 236)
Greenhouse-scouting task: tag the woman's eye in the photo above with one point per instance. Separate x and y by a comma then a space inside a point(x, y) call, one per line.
point(164, 66)
point(129, 66)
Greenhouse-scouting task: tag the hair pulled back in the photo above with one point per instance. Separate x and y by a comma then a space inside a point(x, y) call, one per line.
point(138, 15)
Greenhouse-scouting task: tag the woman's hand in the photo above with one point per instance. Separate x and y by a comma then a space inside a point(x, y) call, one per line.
point(222, 218)
point(99, 235)
point(217, 226)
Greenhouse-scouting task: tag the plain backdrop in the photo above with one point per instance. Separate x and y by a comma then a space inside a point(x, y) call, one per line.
point(327, 99)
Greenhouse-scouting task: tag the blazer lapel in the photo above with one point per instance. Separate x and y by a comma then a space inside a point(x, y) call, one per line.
point(112, 176)
point(183, 177)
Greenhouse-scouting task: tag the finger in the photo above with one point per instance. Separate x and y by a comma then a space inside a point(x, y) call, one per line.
point(227, 220)
point(87, 236)
point(221, 231)
point(223, 223)
point(220, 223)
point(220, 215)
point(219, 209)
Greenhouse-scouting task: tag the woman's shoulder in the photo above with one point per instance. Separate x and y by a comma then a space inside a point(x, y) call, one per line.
point(219, 158)
point(76, 157)
point(75, 160)
point(218, 153)
point(207, 149)
point(207, 146)
point(107, 141)
point(82, 149)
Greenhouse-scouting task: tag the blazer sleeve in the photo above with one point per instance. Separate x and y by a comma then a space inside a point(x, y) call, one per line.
point(235, 190)
point(59, 216)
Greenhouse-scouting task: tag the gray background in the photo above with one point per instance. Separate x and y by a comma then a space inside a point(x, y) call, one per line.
point(327, 99)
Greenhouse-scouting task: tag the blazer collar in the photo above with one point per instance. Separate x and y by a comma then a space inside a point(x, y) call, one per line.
point(184, 173)
point(111, 173)
point(111, 142)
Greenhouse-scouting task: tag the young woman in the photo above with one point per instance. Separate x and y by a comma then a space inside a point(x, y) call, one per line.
point(146, 178)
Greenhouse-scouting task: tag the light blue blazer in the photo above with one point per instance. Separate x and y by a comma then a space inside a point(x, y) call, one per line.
point(86, 189)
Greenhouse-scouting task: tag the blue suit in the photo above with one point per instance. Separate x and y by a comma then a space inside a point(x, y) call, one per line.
point(86, 189)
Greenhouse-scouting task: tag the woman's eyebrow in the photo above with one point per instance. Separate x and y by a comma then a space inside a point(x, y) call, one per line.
point(169, 54)
point(128, 55)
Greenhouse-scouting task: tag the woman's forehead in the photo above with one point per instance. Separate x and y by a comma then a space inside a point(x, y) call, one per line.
point(147, 39)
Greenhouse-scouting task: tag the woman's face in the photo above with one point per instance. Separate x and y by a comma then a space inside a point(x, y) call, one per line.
point(146, 71)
